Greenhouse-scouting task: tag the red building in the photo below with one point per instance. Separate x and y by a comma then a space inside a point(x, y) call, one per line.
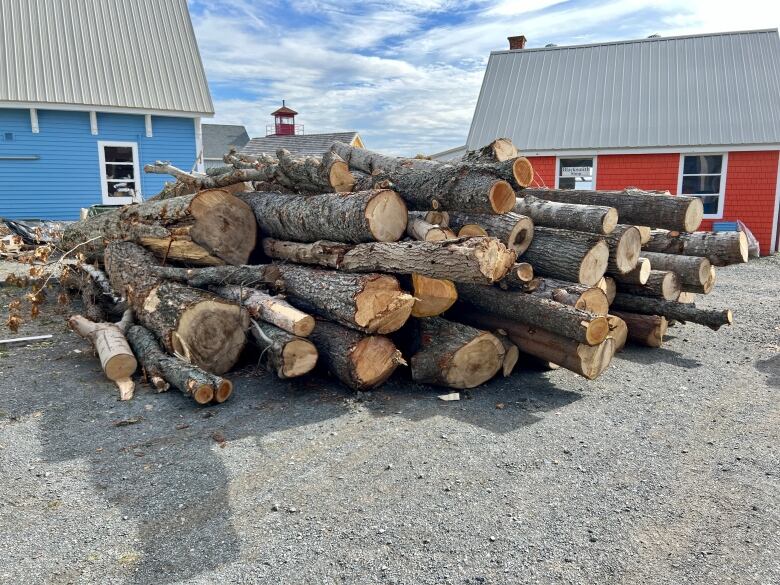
point(697, 115)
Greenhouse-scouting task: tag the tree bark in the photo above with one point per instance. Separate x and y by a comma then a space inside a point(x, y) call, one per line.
point(273, 310)
point(361, 362)
point(595, 219)
point(573, 256)
point(246, 275)
point(692, 271)
point(345, 217)
point(585, 360)
point(475, 260)
point(586, 298)
point(207, 228)
point(648, 330)
point(455, 355)
point(661, 284)
point(638, 275)
point(720, 248)
point(538, 312)
point(673, 310)
point(422, 231)
point(188, 378)
point(673, 212)
point(285, 354)
point(515, 231)
point(500, 149)
point(371, 303)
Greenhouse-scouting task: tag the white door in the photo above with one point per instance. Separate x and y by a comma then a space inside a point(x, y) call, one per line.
point(120, 176)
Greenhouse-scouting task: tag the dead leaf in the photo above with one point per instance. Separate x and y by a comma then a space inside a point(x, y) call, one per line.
point(128, 421)
point(218, 437)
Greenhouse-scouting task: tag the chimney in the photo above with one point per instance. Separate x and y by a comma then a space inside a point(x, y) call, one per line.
point(516, 43)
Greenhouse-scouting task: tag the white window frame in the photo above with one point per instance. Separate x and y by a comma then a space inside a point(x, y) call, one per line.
point(102, 144)
point(723, 171)
point(558, 166)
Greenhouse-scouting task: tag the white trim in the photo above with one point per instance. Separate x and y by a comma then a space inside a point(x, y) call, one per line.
point(558, 166)
point(776, 217)
point(93, 125)
point(716, 149)
point(199, 166)
point(103, 109)
point(723, 172)
point(34, 121)
point(148, 124)
point(104, 180)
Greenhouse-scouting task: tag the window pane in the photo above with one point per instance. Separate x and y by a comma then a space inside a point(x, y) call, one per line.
point(119, 154)
point(119, 171)
point(576, 173)
point(702, 165)
point(126, 189)
point(710, 204)
point(697, 185)
point(566, 183)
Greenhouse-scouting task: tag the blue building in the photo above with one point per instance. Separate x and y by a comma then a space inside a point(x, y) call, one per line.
point(91, 91)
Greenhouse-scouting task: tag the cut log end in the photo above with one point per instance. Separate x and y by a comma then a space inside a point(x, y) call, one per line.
point(593, 360)
point(120, 366)
point(644, 266)
point(609, 221)
point(693, 215)
point(503, 149)
point(670, 287)
point(387, 216)
point(223, 391)
point(203, 394)
point(523, 171)
point(299, 357)
point(594, 264)
point(340, 178)
point(524, 271)
point(594, 300)
point(627, 250)
point(375, 359)
point(472, 230)
point(502, 197)
point(743, 246)
point(597, 330)
point(521, 235)
point(224, 225)
point(476, 362)
point(432, 296)
point(382, 307)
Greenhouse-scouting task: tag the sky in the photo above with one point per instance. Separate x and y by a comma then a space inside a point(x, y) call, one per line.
point(406, 74)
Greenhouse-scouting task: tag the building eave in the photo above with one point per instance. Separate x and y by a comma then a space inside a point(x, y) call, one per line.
point(102, 109)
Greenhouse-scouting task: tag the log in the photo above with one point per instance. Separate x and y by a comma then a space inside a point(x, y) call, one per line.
point(515, 231)
point(674, 212)
point(421, 230)
point(586, 360)
point(207, 228)
point(455, 355)
point(329, 173)
point(586, 298)
point(273, 310)
point(686, 297)
point(596, 219)
point(439, 218)
point(552, 316)
point(283, 353)
point(345, 217)
point(116, 358)
point(720, 248)
point(625, 246)
point(188, 378)
point(684, 312)
point(518, 171)
point(638, 275)
point(661, 284)
point(705, 288)
point(644, 233)
point(511, 354)
point(471, 230)
point(692, 271)
point(204, 328)
point(573, 256)
point(245, 275)
point(432, 296)
point(371, 303)
point(609, 287)
point(618, 332)
point(520, 277)
point(361, 362)
point(500, 149)
point(475, 260)
point(648, 330)
point(71, 278)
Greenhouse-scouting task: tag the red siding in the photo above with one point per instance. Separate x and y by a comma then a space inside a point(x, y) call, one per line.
point(544, 171)
point(645, 171)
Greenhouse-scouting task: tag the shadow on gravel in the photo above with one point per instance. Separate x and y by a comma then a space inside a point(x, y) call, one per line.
point(771, 366)
point(658, 355)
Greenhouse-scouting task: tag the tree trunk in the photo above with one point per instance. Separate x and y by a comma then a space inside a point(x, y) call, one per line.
point(538, 312)
point(190, 379)
point(455, 355)
point(515, 231)
point(720, 248)
point(371, 303)
point(646, 330)
point(586, 298)
point(210, 227)
point(673, 310)
point(273, 310)
point(420, 230)
point(573, 256)
point(638, 275)
point(246, 275)
point(345, 217)
point(582, 218)
point(673, 212)
point(692, 271)
point(660, 284)
point(432, 296)
point(705, 288)
point(474, 260)
point(618, 332)
point(585, 360)
point(361, 362)
point(625, 246)
point(500, 149)
point(108, 339)
point(285, 354)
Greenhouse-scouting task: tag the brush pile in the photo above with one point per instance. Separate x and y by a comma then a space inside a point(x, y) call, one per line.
point(363, 262)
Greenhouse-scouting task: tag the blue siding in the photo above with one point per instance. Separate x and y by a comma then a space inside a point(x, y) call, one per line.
point(66, 176)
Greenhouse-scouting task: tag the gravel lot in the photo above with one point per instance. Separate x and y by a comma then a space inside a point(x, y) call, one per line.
point(664, 470)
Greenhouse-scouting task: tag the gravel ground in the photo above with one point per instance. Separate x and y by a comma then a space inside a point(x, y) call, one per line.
point(664, 470)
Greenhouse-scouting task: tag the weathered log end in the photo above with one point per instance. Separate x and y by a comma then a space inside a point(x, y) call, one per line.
point(299, 357)
point(382, 307)
point(503, 149)
point(502, 197)
point(609, 221)
point(375, 358)
point(594, 359)
point(521, 235)
point(596, 330)
point(693, 215)
point(594, 264)
point(494, 259)
point(594, 300)
point(627, 250)
point(523, 171)
point(523, 271)
point(224, 225)
point(340, 178)
point(387, 216)
point(476, 362)
point(472, 230)
point(432, 296)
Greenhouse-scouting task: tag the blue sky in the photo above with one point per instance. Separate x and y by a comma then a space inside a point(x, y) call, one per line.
point(406, 74)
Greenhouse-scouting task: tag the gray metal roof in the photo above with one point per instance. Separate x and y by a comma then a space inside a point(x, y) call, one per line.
point(312, 144)
point(715, 89)
point(220, 138)
point(136, 54)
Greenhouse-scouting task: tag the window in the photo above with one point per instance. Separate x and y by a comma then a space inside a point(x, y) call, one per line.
point(119, 172)
point(576, 173)
point(703, 175)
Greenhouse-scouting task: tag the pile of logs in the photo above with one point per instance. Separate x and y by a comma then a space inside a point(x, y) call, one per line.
point(363, 262)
